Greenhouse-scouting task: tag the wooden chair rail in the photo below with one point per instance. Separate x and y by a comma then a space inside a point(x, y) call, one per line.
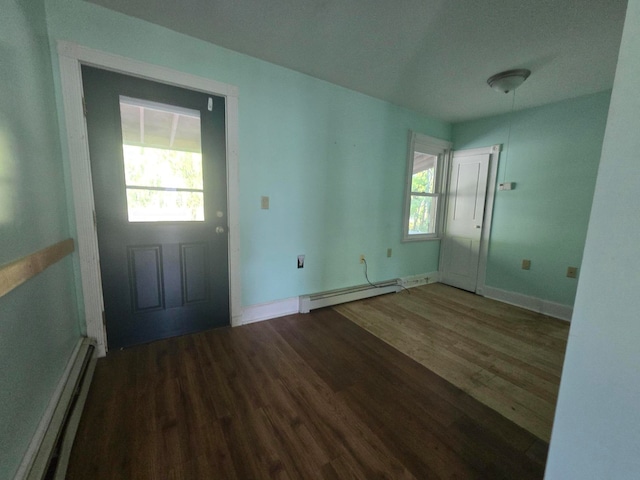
point(16, 273)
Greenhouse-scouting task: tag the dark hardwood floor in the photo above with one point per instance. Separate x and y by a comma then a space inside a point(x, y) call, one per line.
point(300, 397)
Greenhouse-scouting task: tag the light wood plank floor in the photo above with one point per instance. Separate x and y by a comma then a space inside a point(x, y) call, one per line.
point(508, 358)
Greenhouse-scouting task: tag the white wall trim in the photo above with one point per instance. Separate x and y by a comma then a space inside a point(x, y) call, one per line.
point(269, 310)
point(433, 146)
point(41, 430)
point(546, 307)
point(71, 57)
point(413, 281)
point(488, 216)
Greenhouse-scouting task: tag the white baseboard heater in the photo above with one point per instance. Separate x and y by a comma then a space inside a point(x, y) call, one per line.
point(51, 451)
point(343, 295)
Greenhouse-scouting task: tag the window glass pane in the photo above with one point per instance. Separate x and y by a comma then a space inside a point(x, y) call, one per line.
point(155, 167)
point(164, 205)
point(423, 179)
point(422, 215)
point(152, 124)
point(163, 159)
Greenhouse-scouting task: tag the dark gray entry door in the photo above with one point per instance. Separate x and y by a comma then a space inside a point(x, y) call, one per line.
point(158, 169)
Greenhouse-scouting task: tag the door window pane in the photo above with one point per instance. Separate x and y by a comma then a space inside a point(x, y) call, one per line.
point(147, 205)
point(162, 162)
point(156, 167)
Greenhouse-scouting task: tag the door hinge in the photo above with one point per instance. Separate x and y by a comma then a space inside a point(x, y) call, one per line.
point(95, 220)
point(84, 107)
point(104, 318)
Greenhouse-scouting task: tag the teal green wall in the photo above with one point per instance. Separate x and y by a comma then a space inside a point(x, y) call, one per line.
point(332, 160)
point(596, 433)
point(553, 159)
point(38, 320)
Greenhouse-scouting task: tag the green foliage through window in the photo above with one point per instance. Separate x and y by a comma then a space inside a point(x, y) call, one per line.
point(425, 164)
point(424, 181)
point(422, 216)
point(163, 184)
point(423, 206)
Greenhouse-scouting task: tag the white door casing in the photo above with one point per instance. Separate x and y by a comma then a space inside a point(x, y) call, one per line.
point(71, 57)
point(472, 179)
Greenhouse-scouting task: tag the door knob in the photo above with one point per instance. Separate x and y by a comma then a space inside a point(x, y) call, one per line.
point(219, 230)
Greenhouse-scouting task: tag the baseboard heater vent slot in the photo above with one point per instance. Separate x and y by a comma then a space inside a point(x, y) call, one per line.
point(51, 458)
point(335, 297)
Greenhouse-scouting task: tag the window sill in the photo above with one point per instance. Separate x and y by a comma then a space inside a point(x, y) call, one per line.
point(420, 238)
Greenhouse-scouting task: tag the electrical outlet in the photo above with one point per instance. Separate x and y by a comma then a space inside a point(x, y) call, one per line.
point(264, 203)
point(362, 258)
point(507, 186)
point(300, 261)
point(388, 252)
point(572, 272)
point(526, 264)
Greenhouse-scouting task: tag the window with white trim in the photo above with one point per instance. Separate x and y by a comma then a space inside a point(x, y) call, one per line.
point(426, 168)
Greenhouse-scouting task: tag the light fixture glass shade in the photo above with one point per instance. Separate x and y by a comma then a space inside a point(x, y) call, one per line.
point(510, 80)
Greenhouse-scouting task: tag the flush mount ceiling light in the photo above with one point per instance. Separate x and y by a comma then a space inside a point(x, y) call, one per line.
point(510, 80)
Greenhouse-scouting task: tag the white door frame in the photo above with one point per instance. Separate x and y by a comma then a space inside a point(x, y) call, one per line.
point(71, 57)
point(494, 157)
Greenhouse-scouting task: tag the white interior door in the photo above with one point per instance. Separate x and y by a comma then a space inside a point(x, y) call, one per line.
point(465, 215)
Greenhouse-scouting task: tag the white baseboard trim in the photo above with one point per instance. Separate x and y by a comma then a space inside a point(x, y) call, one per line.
point(553, 309)
point(269, 310)
point(289, 306)
point(417, 280)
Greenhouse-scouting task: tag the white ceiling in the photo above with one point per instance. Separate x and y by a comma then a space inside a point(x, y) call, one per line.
point(432, 56)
